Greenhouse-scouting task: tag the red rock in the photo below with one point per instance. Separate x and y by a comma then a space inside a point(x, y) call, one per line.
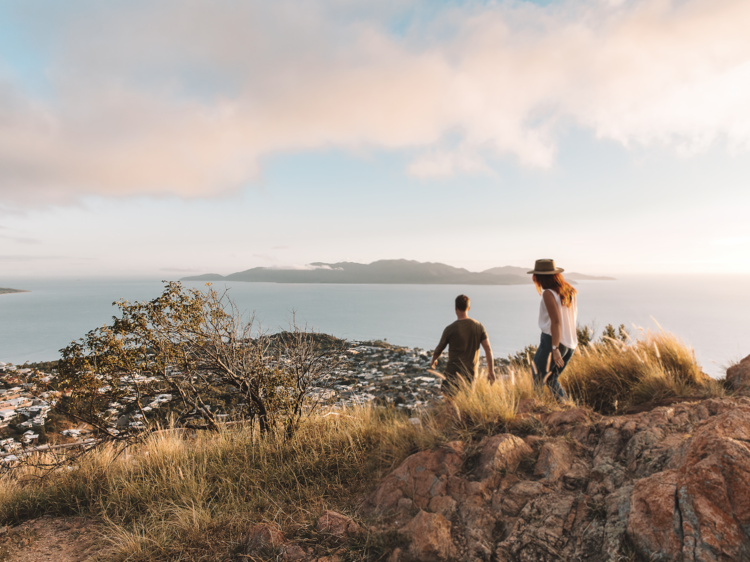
point(430, 535)
point(263, 536)
point(444, 505)
point(502, 452)
point(699, 512)
point(739, 375)
point(555, 459)
point(292, 553)
point(714, 490)
point(516, 498)
point(336, 524)
point(653, 524)
point(574, 416)
point(420, 478)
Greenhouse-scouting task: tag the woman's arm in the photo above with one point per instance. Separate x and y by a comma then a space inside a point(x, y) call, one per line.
point(556, 327)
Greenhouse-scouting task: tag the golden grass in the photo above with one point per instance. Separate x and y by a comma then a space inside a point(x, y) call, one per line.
point(612, 376)
point(194, 498)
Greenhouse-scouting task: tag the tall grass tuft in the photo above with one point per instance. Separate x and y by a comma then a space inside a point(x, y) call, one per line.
point(611, 375)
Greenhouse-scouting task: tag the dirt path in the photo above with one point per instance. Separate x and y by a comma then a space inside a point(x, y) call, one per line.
point(70, 539)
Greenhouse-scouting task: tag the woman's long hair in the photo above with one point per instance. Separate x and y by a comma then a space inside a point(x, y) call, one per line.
point(558, 284)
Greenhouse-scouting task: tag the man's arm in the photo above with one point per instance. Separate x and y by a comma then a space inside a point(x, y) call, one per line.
point(490, 359)
point(439, 349)
point(436, 355)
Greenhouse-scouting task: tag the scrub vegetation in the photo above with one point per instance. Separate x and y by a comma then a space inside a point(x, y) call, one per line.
point(181, 494)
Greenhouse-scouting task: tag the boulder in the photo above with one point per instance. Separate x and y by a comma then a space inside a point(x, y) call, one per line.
point(555, 459)
point(501, 452)
point(713, 490)
point(263, 536)
point(333, 523)
point(739, 375)
point(430, 538)
point(701, 511)
point(421, 477)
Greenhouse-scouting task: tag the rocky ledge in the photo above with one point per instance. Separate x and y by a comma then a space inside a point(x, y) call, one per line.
point(669, 484)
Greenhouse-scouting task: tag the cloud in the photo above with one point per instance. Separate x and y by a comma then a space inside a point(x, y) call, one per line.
point(306, 267)
point(183, 269)
point(20, 239)
point(186, 99)
point(34, 257)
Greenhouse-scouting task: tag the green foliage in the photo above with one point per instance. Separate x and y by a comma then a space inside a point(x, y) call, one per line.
point(609, 334)
point(524, 357)
point(585, 335)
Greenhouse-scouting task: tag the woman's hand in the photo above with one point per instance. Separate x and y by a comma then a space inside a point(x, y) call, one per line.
point(558, 358)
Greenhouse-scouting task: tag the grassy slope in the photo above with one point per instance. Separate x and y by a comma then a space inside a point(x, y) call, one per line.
point(177, 498)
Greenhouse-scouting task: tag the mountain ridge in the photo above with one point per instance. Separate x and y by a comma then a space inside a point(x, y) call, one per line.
point(386, 272)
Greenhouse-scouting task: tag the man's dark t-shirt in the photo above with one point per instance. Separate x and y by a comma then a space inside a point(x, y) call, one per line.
point(463, 339)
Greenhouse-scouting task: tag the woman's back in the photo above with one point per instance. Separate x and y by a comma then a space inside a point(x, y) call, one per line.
point(568, 320)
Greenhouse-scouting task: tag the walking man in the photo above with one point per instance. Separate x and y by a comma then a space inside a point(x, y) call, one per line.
point(463, 338)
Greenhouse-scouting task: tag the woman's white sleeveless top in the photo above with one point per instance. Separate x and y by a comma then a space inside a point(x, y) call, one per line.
point(568, 317)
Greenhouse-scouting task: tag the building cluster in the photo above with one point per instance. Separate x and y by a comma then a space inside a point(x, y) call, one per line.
point(23, 405)
point(383, 374)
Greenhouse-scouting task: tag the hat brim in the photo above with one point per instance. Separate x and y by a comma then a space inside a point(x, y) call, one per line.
point(553, 272)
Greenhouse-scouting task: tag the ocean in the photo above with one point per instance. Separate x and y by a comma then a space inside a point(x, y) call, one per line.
point(709, 313)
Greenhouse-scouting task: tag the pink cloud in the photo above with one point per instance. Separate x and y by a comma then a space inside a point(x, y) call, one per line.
point(126, 118)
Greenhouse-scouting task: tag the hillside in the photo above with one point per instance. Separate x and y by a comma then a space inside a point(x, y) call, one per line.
point(406, 272)
point(503, 473)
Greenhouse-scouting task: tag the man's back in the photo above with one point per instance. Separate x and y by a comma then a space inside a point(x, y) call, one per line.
point(463, 339)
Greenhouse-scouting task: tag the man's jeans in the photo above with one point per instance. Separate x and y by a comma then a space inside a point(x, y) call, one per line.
point(544, 364)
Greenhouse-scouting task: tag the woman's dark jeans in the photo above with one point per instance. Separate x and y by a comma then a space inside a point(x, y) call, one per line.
point(544, 363)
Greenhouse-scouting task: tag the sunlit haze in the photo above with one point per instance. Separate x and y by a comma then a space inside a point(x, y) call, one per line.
point(167, 138)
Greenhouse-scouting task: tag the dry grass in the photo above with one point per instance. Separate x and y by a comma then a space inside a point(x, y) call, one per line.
point(612, 375)
point(175, 498)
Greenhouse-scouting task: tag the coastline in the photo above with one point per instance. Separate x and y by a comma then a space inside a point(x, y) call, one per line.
point(8, 291)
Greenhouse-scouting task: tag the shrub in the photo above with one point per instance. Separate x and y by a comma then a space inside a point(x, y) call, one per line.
point(612, 375)
point(199, 348)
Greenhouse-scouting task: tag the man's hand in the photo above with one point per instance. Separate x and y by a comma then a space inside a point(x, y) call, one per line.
point(558, 358)
point(433, 365)
point(491, 376)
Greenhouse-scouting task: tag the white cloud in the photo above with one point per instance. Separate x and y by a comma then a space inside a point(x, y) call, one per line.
point(170, 97)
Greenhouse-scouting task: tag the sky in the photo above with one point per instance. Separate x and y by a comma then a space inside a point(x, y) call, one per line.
point(175, 137)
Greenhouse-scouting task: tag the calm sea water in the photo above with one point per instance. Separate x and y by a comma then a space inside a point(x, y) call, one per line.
point(709, 313)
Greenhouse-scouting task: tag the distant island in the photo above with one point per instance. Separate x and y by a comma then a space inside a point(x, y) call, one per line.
point(6, 291)
point(395, 272)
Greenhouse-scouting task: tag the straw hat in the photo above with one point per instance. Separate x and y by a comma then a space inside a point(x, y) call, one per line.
point(546, 267)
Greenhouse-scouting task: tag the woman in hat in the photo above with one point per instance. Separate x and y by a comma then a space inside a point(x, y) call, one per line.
point(558, 313)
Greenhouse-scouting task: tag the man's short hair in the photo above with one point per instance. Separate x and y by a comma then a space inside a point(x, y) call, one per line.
point(462, 303)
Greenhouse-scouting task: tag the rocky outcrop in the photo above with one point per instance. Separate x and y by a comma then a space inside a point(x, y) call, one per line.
point(430, 537)
point(672, 483)
point(739, 375)
point(421, 478)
